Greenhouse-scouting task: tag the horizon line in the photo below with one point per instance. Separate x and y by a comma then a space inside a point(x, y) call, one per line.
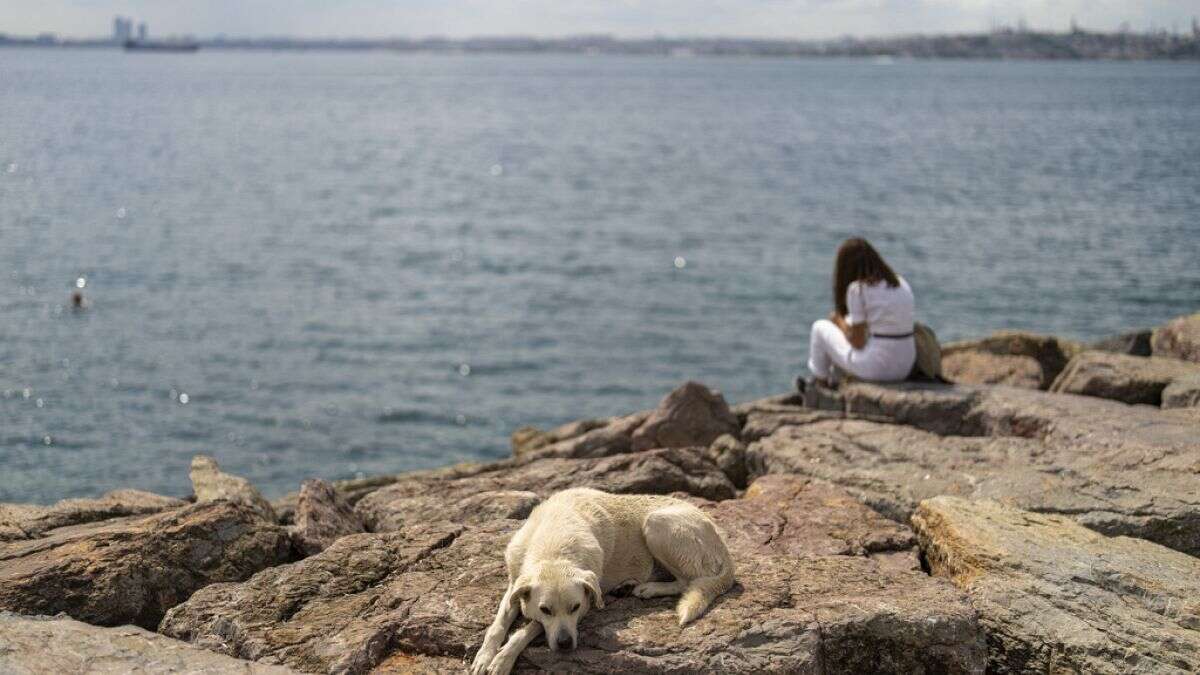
point(614, 37)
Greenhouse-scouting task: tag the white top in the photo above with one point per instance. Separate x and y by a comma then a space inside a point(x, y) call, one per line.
point(887, 310)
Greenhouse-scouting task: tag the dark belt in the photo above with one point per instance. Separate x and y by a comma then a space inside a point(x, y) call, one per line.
point(892, 337)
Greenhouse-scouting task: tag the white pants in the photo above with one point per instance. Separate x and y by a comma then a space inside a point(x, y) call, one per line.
point(881, 360)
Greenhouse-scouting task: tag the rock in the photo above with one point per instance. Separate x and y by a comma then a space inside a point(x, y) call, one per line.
point(41, 645)
point(393, 511)
point(322, 517)
point(692, 415)
point(1183, 392)
point(1178, 338)
point(799, 516)
point(1126, 434)
point(422, 596)
point(416, 664)
point(1117, 491)
point(1056, 597)
point(527, 439)
point(977, 367)
point(28, 521)
point(1130, 379)
point(762, 418)
point(1136, 343)
point(830, 614)
point(789, 401)
point(510, 489)
point(337, 611)
point(210, 484)
point(351, 490)
point(729, 454)
point(131, 570)
point(1052, 353)
point(581, 439)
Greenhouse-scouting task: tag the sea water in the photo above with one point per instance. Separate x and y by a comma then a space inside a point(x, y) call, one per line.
point(330, 265)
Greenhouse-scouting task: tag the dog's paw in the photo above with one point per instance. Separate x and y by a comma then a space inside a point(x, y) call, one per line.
point(657, 589)
point(624, 588)
point(503, 663)
point(644, 591)
point(483, 660)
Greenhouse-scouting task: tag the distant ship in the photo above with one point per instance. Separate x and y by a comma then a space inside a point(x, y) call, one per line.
point(160, 46)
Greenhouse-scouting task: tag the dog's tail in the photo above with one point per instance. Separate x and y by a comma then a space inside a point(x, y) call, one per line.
point(701, 591)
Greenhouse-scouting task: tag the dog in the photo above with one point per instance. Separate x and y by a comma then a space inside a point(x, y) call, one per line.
point(581, 543)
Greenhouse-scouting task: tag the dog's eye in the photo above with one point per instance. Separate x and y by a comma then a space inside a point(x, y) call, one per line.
point(575, 608)
point(544, 609)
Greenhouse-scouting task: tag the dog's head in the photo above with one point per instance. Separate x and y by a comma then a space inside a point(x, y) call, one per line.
point(557, 594)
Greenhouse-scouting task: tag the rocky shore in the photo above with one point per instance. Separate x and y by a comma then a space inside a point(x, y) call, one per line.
point(1040, 514)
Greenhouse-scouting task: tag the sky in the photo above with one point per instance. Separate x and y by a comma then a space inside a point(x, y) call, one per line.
point(804, 19)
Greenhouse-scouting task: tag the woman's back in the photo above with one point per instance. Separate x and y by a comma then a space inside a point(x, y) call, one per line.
point(886, 309)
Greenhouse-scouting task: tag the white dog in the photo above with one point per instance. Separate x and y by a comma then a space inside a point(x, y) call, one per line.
point(581, 543)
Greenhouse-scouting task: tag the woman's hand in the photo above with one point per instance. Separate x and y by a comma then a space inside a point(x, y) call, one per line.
point(856, 334)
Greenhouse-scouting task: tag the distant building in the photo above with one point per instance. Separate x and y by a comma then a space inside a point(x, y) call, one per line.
point(142, 31)
point(122, 29)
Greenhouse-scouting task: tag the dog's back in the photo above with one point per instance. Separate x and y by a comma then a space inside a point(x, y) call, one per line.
point(597, 530)
point(620, 537)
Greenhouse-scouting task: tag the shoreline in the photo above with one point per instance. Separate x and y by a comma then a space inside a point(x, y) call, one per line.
point(919, 525)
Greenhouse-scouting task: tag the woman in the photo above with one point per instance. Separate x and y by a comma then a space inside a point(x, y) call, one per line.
point(870, 333)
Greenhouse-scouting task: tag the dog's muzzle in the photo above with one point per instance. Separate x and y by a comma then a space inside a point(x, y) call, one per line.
point(564, 641)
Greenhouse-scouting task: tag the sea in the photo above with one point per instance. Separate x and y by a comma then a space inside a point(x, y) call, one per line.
point(319, 264)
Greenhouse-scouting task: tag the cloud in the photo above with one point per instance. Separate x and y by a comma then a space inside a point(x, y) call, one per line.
point(768, 18)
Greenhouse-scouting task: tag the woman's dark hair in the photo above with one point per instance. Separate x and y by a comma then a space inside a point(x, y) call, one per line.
point(857, 260)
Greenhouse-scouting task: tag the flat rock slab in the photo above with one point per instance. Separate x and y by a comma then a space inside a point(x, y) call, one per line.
point(132, 570)
point(764, 417)
point(833, 614)
point(56, 645)
point(1133, 435)
point(420, 598)
point(30, 521)
point(893, 467)
point(799, 516)
point(1129, 379)
point(1056, 597)
point(510, 489)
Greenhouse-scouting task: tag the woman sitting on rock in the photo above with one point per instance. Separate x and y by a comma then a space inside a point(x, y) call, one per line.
point(869, 335)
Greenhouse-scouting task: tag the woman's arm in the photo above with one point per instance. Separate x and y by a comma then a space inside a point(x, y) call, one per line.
point(856, 334)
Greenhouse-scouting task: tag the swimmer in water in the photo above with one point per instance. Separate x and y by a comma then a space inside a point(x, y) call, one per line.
point(77, 294)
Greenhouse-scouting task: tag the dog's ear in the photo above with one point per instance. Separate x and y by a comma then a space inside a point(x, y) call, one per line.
point(521, 588)
point(592, 585)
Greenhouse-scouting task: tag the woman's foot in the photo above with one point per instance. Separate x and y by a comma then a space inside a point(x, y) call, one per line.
point(811, 388)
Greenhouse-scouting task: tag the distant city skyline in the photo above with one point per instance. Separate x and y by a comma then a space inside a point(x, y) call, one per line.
point(802, 19)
